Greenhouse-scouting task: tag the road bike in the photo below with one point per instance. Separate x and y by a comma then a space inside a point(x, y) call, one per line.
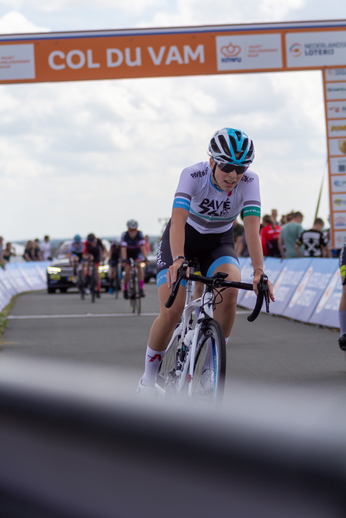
point(81, 281)
point(115, 282)
point(194, 364)
point(133, 288)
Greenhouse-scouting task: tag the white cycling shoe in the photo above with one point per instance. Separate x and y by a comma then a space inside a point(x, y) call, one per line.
point(145, 390)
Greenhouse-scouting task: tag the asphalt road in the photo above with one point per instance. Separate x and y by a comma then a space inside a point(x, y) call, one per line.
point(272, 350)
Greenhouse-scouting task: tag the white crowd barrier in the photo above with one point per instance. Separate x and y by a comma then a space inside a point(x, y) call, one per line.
point(21, 277)
point(308, 290)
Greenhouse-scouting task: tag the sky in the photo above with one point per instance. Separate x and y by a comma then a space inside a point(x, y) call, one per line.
point(81, 157)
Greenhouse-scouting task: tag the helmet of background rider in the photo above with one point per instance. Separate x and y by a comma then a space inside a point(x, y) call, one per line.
point(91, 238)
point(132, 224)
point(77, 238)
point(231, 146)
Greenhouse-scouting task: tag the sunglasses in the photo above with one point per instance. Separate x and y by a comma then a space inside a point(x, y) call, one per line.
point(228, 168)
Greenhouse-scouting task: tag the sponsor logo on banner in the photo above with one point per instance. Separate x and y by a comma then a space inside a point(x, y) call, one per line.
point(339, 202)
point(337, 128)
point(335, 74)
point(337, 146)
point(340, 238)
point(17, 62)
point(336, 91)
point(301, 287)
point(339, 183)
point(336, 110)
point(340, 220)
point(248, 52)
point(296, 50)
point(313, 49)
point(329, 291)
point(337, 165)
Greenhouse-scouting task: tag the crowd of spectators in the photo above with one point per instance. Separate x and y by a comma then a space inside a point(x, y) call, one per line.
point(286, 238)
point(36, 251)
point(33, 251)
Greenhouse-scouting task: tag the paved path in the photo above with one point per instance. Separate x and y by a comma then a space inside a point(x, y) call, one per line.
point(270, 350)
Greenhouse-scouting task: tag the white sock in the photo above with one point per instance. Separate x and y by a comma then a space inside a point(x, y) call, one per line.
point(152, 363)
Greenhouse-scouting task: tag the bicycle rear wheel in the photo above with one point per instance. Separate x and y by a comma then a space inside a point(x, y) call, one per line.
point(208, 381)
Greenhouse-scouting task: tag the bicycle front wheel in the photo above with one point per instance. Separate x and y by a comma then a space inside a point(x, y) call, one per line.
point(81, 284)
point(93, 286)
point(137, 296)
point(208, 381)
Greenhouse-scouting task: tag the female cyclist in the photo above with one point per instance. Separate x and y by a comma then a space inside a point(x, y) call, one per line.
point(209, 198)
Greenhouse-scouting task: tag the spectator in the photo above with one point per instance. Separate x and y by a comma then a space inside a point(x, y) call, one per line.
point(274, 215)
point(45, 254)
point(147, 245)
point(2, 262)
point(8, 252)
point(289, 235)
point(314, 242)
point(36, 250)
point(28, 251)
point(270, 234)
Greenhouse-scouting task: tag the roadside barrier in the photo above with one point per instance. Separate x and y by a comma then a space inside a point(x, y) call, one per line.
point(21, 277)
point(307, 290)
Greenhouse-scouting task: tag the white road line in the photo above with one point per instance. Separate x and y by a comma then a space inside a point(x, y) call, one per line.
point(91, 315)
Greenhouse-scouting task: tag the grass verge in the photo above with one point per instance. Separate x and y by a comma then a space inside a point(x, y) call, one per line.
point(4, 314)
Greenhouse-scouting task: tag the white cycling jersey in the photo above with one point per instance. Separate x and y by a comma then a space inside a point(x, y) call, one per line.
point(212, 210)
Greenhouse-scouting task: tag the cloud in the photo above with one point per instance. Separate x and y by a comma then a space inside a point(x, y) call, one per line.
point(60, 5)
point(15, 23)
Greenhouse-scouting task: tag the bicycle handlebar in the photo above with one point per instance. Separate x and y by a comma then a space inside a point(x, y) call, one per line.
point(219, 281)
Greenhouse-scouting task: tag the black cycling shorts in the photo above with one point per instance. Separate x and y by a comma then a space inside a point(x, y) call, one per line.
point(135, 254)
point(211, 250)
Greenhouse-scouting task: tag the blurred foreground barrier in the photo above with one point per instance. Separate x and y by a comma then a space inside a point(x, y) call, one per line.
point(75, 444)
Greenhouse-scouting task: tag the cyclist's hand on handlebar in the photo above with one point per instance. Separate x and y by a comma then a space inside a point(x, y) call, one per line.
point(256, 280)
point(173, 271)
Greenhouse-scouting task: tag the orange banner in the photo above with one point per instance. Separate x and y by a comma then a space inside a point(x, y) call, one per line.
point(171, 52)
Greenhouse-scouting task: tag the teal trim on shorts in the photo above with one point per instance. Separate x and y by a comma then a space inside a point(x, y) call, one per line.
point(162, 278)
point(227, 259)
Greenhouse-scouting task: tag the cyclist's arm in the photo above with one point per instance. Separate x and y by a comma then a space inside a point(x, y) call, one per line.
point(253, 240)
point(177, 241)
point(123, 252)
point(143, 251)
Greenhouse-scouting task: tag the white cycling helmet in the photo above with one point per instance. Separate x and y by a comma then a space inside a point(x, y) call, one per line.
point(132, 224)
point(228, 141)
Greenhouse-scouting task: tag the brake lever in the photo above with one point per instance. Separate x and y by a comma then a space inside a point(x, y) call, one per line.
point(263, 285)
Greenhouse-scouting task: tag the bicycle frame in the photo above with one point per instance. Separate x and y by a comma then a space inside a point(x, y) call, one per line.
point(183, 329)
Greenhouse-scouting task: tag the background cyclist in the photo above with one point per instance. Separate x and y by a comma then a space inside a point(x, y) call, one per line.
point(75, 254)
point(208, 199)
point(93, 251)
point(133, 246)
point(114, 255)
